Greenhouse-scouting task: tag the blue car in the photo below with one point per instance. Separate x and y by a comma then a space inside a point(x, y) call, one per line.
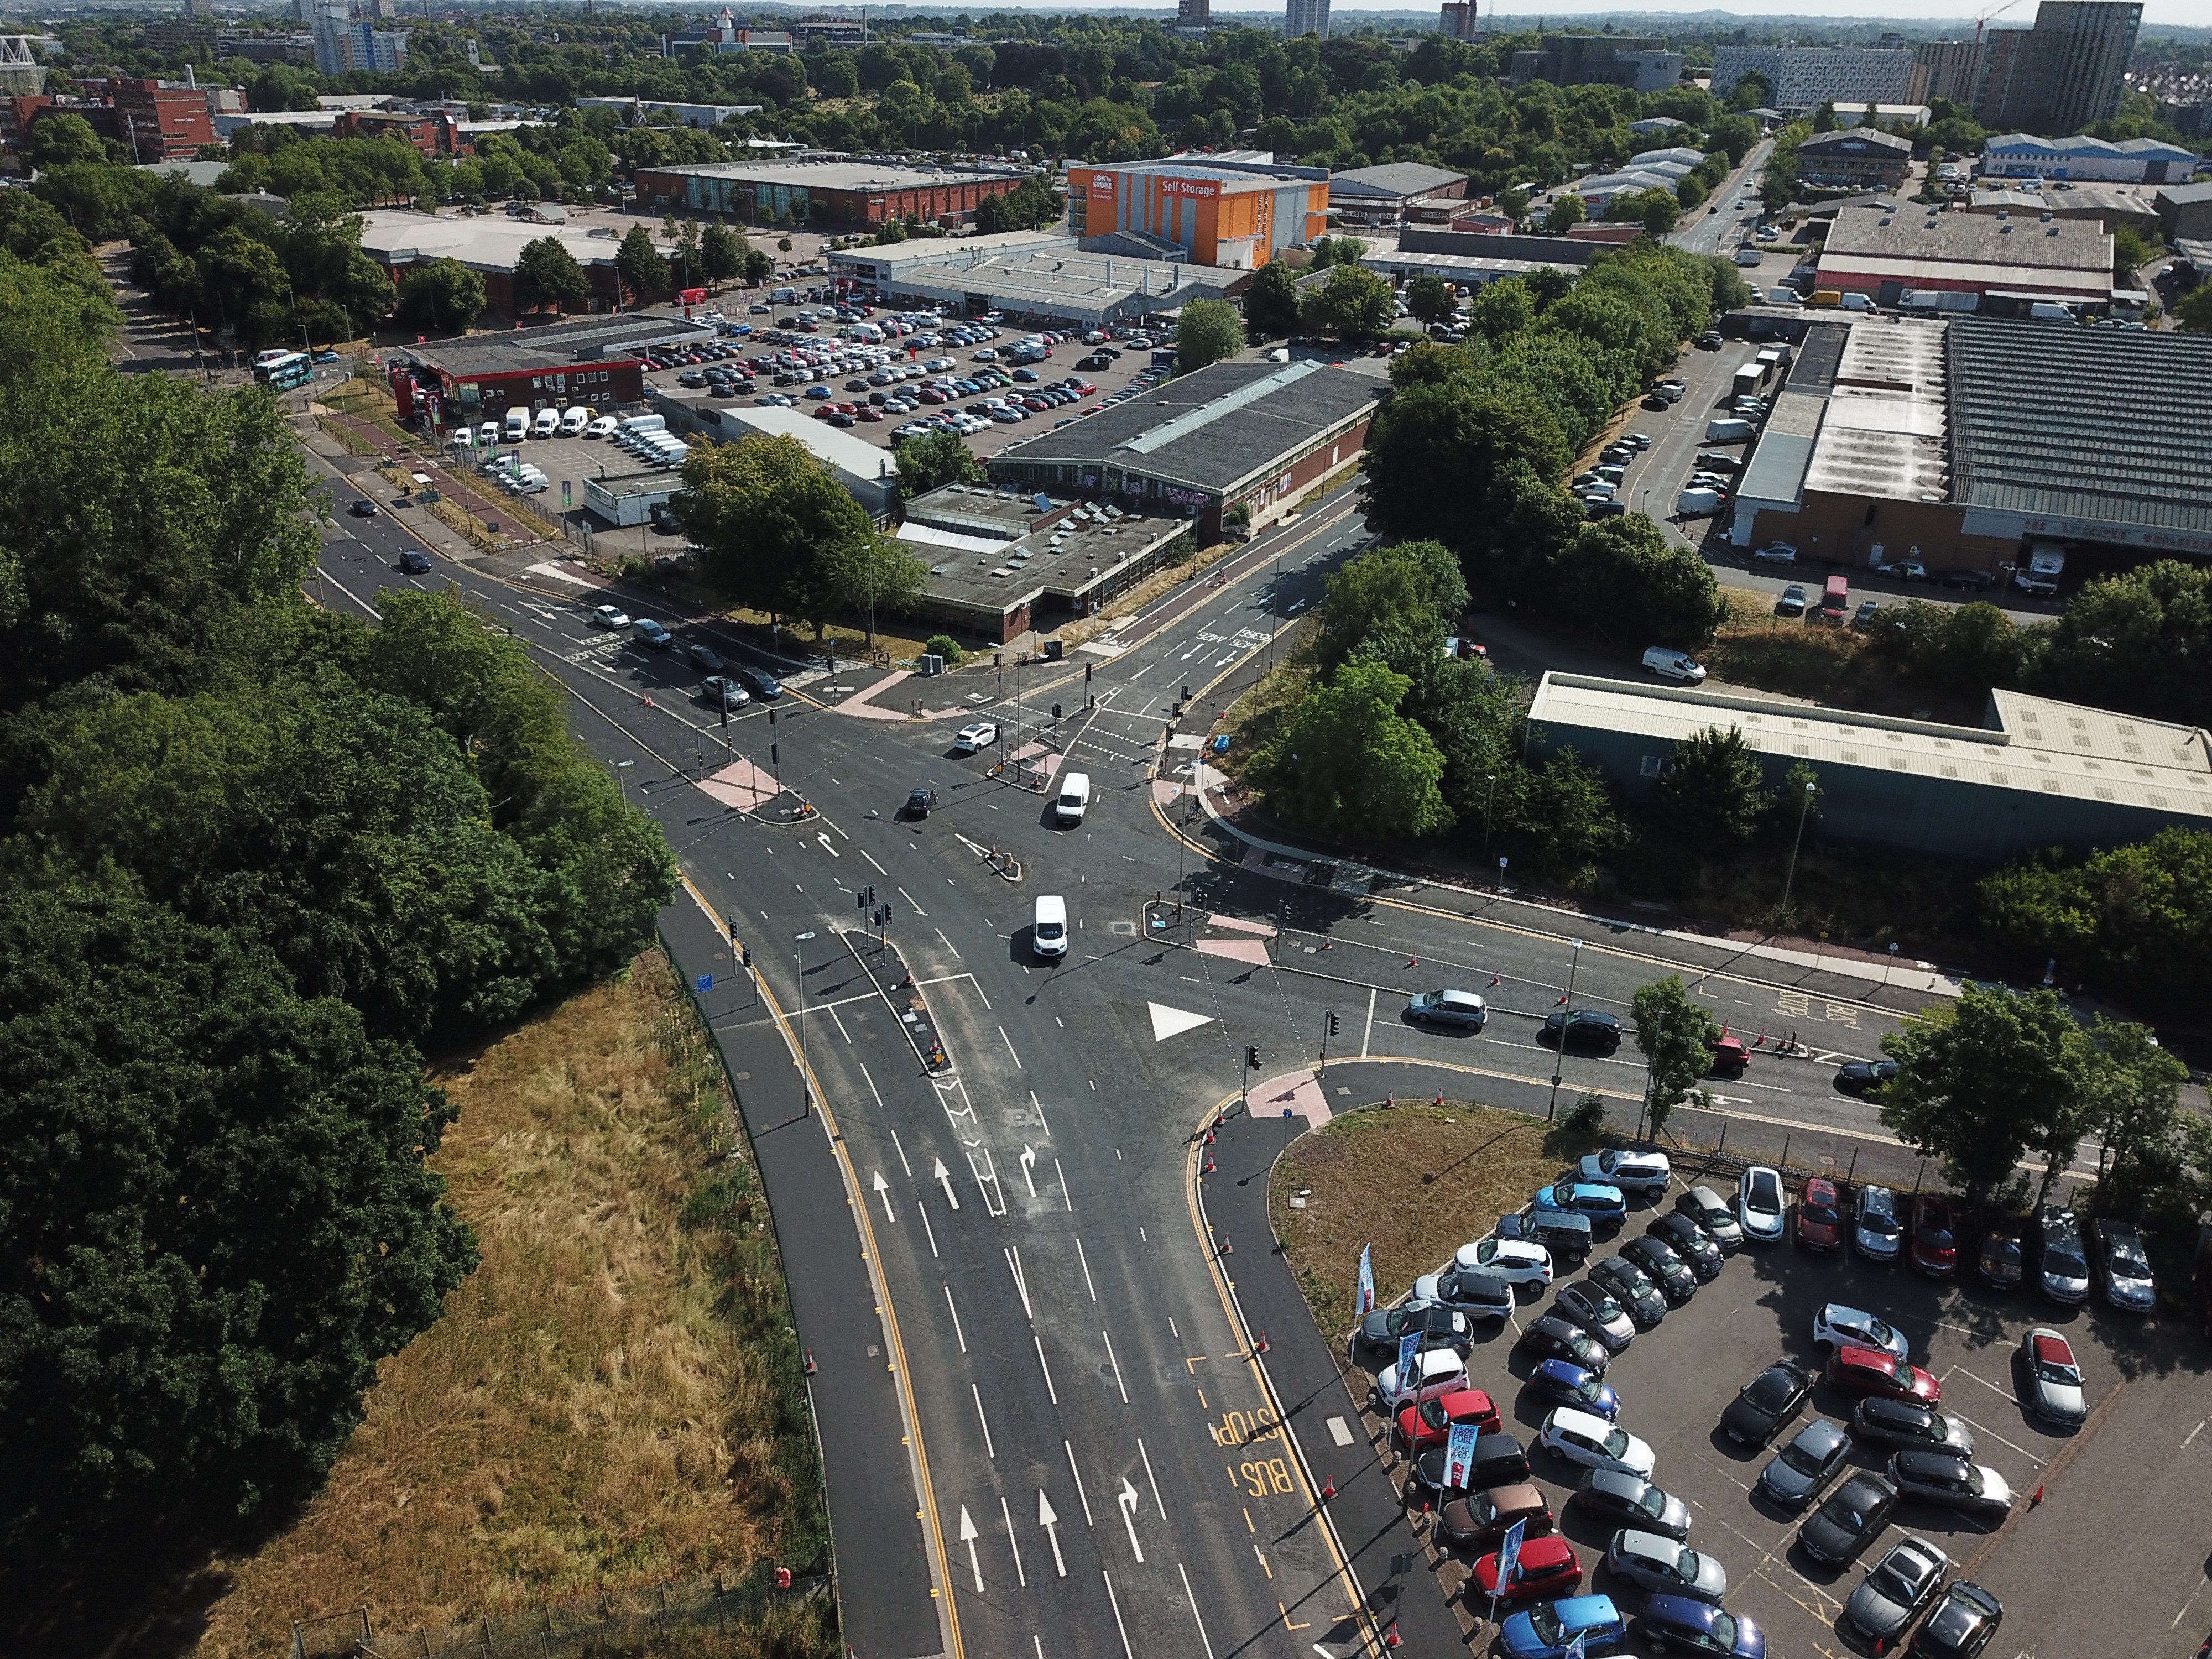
point(1545, 1631)
point(1687, 1626)
point(818, 391)
point(1600, 1202)
point(1026, 375)
point(1567, 1384)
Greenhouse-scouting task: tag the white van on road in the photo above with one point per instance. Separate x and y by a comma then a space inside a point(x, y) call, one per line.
point(1074, 798)
point(1672, 665)
point(1048, 926)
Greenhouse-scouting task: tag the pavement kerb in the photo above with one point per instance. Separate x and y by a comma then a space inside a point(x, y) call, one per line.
point(1194, 1145)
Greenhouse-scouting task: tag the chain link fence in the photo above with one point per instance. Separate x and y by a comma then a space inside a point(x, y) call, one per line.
point(659, 1619)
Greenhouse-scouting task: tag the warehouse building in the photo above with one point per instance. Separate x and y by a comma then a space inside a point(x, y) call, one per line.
point(832, 193)
point(2039, 774)
point(1210, 210)
point(865, 470)
point(2104, 161)
point(1856, 159)
point(399, 239)
point(1468, 270)
point(1381, 196)
point(2185, 212)
point(1035, 275)
point(1003, 562)
point(1256, 436)
point(2115, 209)
point(1884, 251)
point(1974, 443)
point(599, 361)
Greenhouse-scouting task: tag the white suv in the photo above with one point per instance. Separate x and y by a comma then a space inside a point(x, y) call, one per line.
point(1647, 1173)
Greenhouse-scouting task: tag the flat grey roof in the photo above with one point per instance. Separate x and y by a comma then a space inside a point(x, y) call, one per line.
point(2043, 747)
point(839, 174)
point(995, 548)
point(1925, 235)
point(591, 339)
point(1393, 179)
point(2082, 424)
point(1211, 429)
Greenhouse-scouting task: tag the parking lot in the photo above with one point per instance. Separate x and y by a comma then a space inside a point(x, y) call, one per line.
point(2110, 1561)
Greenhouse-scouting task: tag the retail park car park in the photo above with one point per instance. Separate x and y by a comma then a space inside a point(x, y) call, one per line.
point(1893, 1405)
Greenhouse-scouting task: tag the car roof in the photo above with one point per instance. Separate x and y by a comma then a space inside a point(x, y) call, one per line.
point(1901, 1410)
point(2049, 1345)
point(1579, 1422)
point(1549, 1550)
point(1648, 1543)
point(1928, 1461)
point(1578, 1611)
point(1681, 1611)
point(1819, 1184)
point(1871, 1358)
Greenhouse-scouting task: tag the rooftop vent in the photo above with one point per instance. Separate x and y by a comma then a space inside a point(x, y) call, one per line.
point(2004, 230)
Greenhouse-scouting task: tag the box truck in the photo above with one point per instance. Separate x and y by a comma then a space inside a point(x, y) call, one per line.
point(2045, 561)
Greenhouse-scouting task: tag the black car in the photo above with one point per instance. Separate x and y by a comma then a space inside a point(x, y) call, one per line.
point(1550, 1337)
point(1973, 580)
point(1583, 1032)
point(1864, 1077)
point(1673, 1275)
point(1697, 1248)
point(1633, 1288)
point(1621, 1499)
point(1768, 1400)
point(1437, 1327)
point(1856, 1511)
point(1905, 1424)
point(362, 508)
point(758, 680)
point(1961, 1625)
point(1998, 1264)
point(414, 562)
point(920, 803)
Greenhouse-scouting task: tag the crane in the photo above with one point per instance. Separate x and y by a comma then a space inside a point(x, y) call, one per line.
point(1994, 12)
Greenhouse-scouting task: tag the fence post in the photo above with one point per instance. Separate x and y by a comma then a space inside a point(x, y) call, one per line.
point(1854, 1169)
point(1785, 1155)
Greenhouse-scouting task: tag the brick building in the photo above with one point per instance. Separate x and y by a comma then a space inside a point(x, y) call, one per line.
point(161, 121)
point(835, 194)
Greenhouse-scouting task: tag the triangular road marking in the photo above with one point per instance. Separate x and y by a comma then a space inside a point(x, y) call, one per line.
point(1174, 1022)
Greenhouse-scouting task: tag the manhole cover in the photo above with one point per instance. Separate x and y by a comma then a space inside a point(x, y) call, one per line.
point(1126, 929)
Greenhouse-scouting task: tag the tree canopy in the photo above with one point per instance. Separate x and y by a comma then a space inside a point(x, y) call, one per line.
point(1208, 331)
point(774, 525)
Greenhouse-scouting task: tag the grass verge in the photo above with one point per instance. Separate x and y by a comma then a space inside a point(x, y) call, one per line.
point(614, 1399)
point(1416, 1183)
point(1801, 657)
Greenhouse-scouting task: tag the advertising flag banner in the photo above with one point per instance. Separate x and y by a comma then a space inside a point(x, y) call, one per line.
point(1366, 1279)
point(1409, 1349)
point(1509, 1554)
point(1459, 1454)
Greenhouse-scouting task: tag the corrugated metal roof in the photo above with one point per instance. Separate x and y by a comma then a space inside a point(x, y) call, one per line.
point(2041, 755)
point(1393, 179)
point(1883, 435)
point(2082, 424)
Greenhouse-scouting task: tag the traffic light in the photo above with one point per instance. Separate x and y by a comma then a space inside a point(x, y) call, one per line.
point(746, 952)
point(731, 922)
point(887, 915)
point(1333, 1026)
point(1252, 1057)
point(1055, 711)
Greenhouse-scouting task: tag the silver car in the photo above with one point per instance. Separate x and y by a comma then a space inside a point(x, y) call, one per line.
point(1595, 1311)
point(1874, 1229)
point(1448, 1011)
point(2054, 1381)
point(1892, 1595)
point(1802, 1466)
point(1665, 1567)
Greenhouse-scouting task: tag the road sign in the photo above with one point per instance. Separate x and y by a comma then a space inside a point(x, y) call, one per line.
point(704, 982)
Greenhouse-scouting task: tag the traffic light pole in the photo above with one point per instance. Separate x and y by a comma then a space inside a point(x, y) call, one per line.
point(1245, 1077)
point(1328, 1029)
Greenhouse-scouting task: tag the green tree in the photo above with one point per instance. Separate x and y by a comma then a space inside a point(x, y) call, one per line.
point(266, 1228)
point(1410, 589)
point(1564, 213)
point(773, 523)
point(1430, 298)
point(57, 140)
point(1353, 304)
point(2134, 642)
point(2192, 313)
point(1981, 1083)
point(1672, 1033)
point(933, 460)
point(1208, 331)
point(640, 264)
point(1348, 763)
point(441, 295)
point(1271, 304)
point(2133, 1102)
point(1501, 310)
point(1664, 586)
point(2137, 918)
point(548, 278)
point(1500, 443)
point(1711, 796)
point(722, 253)
point(243, 283)
point(877, 572)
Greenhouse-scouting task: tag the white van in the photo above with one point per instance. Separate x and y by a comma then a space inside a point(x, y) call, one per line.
point(2043, 311)
point(579, 417)
point(487, 434)
point(1049, 927)
point(464, 437)
point(1725, 431)
point(547, 424)
point(518, 424)
point(1697, 503)
point(1855, 302)
point(1671, 665)
point(1074, 798)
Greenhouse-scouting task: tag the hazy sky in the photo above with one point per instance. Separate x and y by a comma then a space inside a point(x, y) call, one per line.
point(2188, 13)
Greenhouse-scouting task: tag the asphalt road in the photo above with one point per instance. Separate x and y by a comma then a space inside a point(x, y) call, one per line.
point(1061, 1338)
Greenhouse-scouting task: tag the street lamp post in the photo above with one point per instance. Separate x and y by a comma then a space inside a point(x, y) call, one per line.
point(1804, 810)
point(621, 768)
point(806, 1070)
point(1559, 1053)
point(1489, 794)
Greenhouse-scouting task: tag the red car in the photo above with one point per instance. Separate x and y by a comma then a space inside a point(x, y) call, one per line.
point(1935, 1250)
point(1871, 1371)
point(1546, 1567)
point(1819, 1225)
point(1430, 1423)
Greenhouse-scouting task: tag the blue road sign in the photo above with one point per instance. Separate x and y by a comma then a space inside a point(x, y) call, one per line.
point(705, 982)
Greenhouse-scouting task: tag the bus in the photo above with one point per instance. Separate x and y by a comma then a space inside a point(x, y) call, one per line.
point(281, 371)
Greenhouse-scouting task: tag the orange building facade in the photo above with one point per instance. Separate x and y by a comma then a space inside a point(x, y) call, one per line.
point(1218, 215)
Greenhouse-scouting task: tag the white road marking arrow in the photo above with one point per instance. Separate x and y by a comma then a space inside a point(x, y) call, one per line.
point(883, 1191)
point(827, 848)
point(1050, 1522)
point(1029, 1157)
point(1174, 1022)
point(968, 1536)
point(945, 1180)
point(1128, 1501)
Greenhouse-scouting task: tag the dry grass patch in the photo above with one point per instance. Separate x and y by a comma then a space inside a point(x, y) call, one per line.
point(1820, 662)
point(605, 1403)
point(1414, 1181)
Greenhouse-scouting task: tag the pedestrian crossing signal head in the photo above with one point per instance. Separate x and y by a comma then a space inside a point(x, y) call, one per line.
point(1333, 1025)
point(1252, 1057)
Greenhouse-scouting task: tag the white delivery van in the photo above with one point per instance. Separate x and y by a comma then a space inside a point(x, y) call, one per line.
point(464, 437)
point(518, 424)
point(632, 425)
point(1074, 798)
point(547, 424)
point(576, 419)
point(2043, 311)
point(1697, 503)
point(1669, 664)
point(1725, 431)
point(1857, 302)
point(487, 434)
point(1048, 928)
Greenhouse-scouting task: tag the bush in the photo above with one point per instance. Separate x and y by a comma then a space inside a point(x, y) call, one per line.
point(945, 646)
point(1586, 1116)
